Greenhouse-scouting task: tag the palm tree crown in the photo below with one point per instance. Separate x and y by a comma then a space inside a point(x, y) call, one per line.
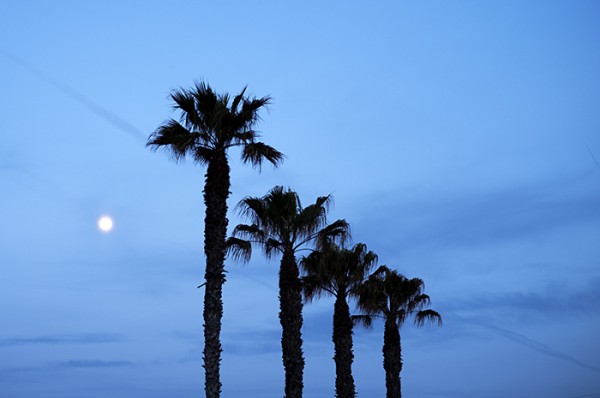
point(335, 270)
point(211, 123)
point(280, 224)
point(391, 295)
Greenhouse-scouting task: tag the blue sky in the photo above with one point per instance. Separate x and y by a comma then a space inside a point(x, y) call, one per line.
point(460, 140)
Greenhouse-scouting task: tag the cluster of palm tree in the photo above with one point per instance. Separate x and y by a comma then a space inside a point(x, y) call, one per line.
point(280, 225)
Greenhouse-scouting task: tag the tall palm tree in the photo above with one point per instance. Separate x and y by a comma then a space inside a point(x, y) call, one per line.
point(392, 296)
point(339, 272)
point(210, 124)
point(280, 225)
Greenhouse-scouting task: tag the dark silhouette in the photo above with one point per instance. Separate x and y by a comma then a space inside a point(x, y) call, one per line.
point(211, 124)
point(393, 297)
point(279, 224)
point(339, 272)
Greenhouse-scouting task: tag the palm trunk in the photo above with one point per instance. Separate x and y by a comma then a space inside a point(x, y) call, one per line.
point(342, 341)
point(216, 191)
point(290, 316)
point(392, 359)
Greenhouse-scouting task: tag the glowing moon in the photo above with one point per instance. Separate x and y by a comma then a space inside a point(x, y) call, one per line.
point(105, 224)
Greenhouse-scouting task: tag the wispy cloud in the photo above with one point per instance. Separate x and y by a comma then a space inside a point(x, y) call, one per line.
point(70, 364)
point(484, 217)
point(252, 342)
point(547, 301)
point(93, 363)
point(82, 338)
point(246, 342)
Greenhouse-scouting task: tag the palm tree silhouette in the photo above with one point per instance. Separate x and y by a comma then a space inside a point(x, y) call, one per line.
point(211, 124)
point(339, 272)
point(280, 225)
point(393, 297)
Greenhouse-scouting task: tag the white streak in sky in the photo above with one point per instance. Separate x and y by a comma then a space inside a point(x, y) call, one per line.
point(93, 106)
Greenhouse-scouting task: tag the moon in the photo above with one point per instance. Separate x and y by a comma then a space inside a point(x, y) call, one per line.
point(105, 223)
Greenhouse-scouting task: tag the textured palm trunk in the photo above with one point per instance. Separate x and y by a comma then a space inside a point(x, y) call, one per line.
point(343, 356)
point(216, 192)
point(290, 316)
point(392, 359)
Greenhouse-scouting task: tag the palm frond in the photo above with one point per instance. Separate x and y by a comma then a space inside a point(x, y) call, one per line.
point(381, 272)
point(255, 152)
point(401, 315)
point(204, 155)
point(321, 269)
point(184, 101)
point(249, 232)
point(271, 246)
point(244, 117)
point(312, 263)
point(310, 288)
point(320, 208)
point(419, 301)
point(249, 112)
point(173, 137)
point(239, 249)
point(252, 208)
point(238, 98)
point(336, 232)
point(206, 102)
point(428, 316)
point(371, 297)
point(244, 137)
point(365, 321)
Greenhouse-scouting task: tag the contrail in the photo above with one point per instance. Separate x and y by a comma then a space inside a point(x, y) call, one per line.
point(587, 396)
point(540, 347)
point(592, 155)
point(93, 106)
point(529, 343)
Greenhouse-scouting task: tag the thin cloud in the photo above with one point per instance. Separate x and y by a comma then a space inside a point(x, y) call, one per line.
point(85, 338)
point(93, 363)
point(252, 343)
point(482, 218)
point(547, 302)
point(70, 364)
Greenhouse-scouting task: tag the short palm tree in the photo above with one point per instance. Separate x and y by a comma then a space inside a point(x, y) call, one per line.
point(210, 125)
point(393, 297)
point(339, 272)
point(279, 224)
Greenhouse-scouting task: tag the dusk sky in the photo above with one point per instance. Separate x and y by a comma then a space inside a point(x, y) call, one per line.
point(460, 140)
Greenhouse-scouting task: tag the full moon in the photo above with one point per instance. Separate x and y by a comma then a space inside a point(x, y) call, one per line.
point(105, 223)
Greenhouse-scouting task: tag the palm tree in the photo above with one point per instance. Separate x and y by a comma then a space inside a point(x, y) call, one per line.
point(210, 124)
point(280, 225)
point(339, 272)
point(393, 297)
